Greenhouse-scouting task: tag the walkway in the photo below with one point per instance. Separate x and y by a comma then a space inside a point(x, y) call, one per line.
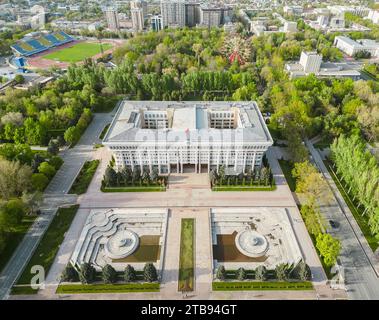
point(55, 196)
point(361, 279)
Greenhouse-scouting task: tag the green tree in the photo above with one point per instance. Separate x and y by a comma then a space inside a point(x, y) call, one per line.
point(39, 181)
point(150, 273)
point(11, 214)
point(329, 248)
point(241, 274)
point(32, 201)
point(47, 169)
point(15, 178)
point(72, 135)
point(282, 272)
point(109, 274)
point(221, 273)
point(261, 273)
point(129, 274)
point(69, 274)
point(87, 273)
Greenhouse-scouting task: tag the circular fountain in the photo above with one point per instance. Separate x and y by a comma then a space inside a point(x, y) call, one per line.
point(122, 244)
point(251, 243)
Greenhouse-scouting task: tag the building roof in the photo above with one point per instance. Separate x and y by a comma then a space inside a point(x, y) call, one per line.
point(188, 122)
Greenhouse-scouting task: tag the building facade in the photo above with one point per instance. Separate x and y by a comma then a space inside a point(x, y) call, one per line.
point(113, 22)
point(351, 47)
point(168, 136)
point(137, 19)
point(310, 61)
point(173, 13)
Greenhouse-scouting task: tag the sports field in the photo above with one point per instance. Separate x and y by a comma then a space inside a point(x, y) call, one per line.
point(77, 52)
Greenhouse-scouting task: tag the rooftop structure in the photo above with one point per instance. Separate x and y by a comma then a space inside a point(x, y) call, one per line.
point(170, 135)
point(311, 62)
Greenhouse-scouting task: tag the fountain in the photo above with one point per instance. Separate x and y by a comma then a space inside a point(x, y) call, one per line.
point(251, 243)
point(122, 244)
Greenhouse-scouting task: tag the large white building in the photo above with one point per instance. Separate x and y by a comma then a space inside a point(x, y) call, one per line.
point(173, 13)
point(138, 10)
point(168, 136)
point(311, 62)
point(351, 47)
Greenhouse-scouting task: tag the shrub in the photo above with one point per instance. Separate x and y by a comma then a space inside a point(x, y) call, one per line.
point(221, 273)
point(281, 272)
point(241, 274)
point(69, 274)
point(56, 162)
point(47, 169)
point(130, 274)
point(261, 273)
point(328, 247)
point(39, 181)
point(150, 273)
point(109, 274)
point(53, 147)
point(87, 273)
point(303, 272)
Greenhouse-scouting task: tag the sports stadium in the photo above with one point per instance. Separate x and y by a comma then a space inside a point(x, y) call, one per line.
point(57, 49)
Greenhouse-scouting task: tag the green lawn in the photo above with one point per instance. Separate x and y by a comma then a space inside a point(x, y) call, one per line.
point(187, 256)
point(102, 134)
point(261, 285)
point(357, 212)
point(244, 188)
point(14, 238)
point(134, 189)
point(84, 178)
point(49, 244)
point(108, 288)
point(77, 52)
point(287, 167)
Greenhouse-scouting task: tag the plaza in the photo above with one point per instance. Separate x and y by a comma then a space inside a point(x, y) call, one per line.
point(122, 236)
point(250, 237)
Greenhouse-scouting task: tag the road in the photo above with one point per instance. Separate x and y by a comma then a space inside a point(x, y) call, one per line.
point(360, 277)
point(55, 195)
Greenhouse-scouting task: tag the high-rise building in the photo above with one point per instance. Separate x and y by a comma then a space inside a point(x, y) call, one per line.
point(156, 22)
point(310, 61)
point(214, 16)
point(173, 13)
point(192, 13)
point(139, 4)
point(111, 15)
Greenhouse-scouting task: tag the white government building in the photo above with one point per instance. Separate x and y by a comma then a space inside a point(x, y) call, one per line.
point(351, 47)
point(169, 135)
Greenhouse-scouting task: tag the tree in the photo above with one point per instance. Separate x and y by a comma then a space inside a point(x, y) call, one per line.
point(72, 135)
point(39, 181)
point(109, 274)
point(69, 274)
point(14, 178)
point(281, 272)
point(241, 274)
point(19, 79)
point(53, 147)
point(32, 201)
point(312, 218)
point(221, 273)
point(150, 273)
point(56, 162)
point(47, 169)
point(11, 214)
point(261, 273)
point(329, 248)
point(130, 274)
point(110, 176)
point(87, 273)
point(302, 271)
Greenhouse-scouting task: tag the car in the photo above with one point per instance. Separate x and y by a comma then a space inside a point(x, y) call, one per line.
point(334, 224)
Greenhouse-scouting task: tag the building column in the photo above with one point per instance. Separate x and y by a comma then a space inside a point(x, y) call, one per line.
point(235, 159)
point(244, 161)
point(253, 162)
point(159, 162)
point(168, 162)
point(218, 159)
point(131, 160)
point(177, 162)
point(150, 161)
point(209, 161)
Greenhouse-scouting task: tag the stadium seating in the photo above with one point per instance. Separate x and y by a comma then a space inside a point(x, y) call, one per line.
point(28, 47)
